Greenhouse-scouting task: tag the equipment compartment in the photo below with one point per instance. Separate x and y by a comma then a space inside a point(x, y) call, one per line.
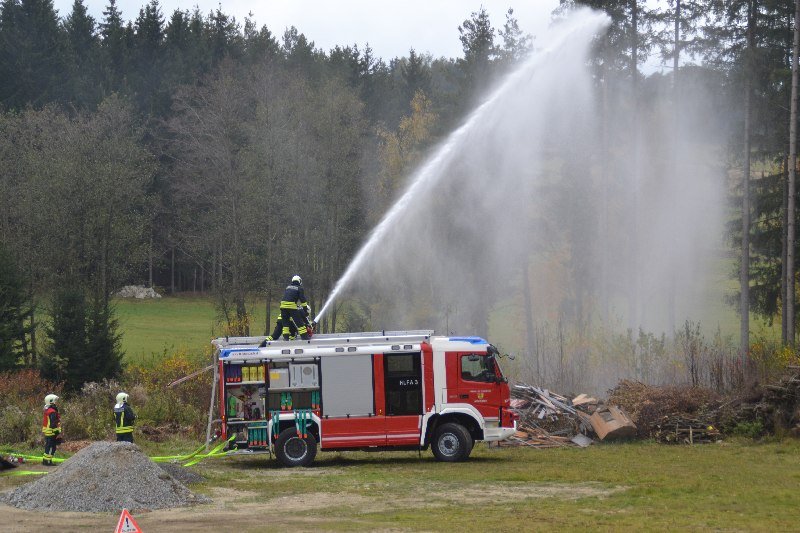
point(304, 375)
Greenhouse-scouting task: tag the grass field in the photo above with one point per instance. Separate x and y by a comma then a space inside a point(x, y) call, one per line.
point(733, 486)
point(151, 327)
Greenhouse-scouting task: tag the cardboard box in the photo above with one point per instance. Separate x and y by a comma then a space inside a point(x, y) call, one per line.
point(612, 423)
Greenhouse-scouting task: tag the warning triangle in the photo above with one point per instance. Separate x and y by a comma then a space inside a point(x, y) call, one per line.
point(127, 524)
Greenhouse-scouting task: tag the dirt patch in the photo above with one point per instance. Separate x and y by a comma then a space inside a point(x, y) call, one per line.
point(281, 472)
point(442, 495)
point(321, 500)
point(523, 491)
point(312, 511)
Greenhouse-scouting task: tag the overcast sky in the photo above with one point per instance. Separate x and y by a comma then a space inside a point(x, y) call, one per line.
point(390, 27)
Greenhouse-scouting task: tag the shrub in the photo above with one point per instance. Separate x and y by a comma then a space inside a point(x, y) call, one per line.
point(183, 406)
point(752, 429)
point(89, 414)
point(21, 401)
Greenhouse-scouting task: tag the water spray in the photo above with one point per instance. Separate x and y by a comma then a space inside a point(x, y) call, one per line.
point(432, 171)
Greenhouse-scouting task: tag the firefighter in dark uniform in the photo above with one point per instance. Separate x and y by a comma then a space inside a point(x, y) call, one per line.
point(293, 299)
point(124, 418)
point(278, 331)
point(51, 427)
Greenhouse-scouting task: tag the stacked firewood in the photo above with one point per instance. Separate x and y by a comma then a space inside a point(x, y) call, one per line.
point(678, 429)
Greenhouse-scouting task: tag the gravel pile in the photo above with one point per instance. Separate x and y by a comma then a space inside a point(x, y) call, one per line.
point(106, 476)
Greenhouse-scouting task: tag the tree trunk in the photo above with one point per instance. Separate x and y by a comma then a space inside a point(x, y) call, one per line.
point(790, 231)
point(604, 234)
point(150, 260)
point(744, 273)
point(784, 240)
point(677, 46)
point(676, 55)
point(267, 320)
point(635, 291)
point(32, 300)
point(530, 336)
point(172, 270)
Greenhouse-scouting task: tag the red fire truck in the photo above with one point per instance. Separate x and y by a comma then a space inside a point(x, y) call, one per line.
point(403, 390)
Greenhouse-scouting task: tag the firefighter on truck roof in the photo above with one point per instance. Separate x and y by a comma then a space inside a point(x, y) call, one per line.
point(51, 427)
point(276, 334)
point(293, 299)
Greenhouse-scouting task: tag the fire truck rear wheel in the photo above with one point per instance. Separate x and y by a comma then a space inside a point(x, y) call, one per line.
point(452, 443)
point(292, 450)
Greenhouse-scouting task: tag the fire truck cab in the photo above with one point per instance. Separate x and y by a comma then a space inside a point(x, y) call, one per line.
point(371, 391)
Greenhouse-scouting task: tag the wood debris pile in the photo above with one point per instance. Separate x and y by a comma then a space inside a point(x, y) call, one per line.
point(783, 399)
point(776, 406)
point(677, 429)
point(649, 406)
point(548, 420)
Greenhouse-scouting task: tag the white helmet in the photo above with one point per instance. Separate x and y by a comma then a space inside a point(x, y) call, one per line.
point(122, 397)
point(297, 279)
point(50, 399)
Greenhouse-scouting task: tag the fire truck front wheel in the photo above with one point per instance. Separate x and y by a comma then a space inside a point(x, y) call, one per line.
point(292, 450)
point(452, 443)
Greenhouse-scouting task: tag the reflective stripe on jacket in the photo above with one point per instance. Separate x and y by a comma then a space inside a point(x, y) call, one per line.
point(123, 418)
point(292, 296)
point(51, 423)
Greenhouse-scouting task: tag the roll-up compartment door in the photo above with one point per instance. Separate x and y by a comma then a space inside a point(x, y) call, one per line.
point(347, 387)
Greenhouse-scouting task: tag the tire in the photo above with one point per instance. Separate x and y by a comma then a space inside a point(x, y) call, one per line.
point(292, 450)
point(452, 443)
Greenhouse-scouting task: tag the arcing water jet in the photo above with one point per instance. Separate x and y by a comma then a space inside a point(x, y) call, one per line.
point(571, 37)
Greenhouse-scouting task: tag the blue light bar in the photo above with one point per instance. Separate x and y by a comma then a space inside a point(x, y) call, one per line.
point(471, 340)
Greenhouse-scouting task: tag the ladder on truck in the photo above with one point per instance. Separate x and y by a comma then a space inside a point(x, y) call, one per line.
point(331, 339)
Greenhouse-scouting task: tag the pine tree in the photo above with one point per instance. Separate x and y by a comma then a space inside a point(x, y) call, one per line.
point(259, 44)
point(516, 44)
point(14, 310)
point(65, 358)
point(223, 36)
point(103, 343)
point(416, 73)
point(85, 344)
point(477, 40)
point(148, 59)
point(83, 53)
point(32, 64)
point(113, 46)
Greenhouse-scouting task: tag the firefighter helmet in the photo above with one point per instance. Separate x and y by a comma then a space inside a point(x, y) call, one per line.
point(297, 279)
point(122, 397)
point(50, 399)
